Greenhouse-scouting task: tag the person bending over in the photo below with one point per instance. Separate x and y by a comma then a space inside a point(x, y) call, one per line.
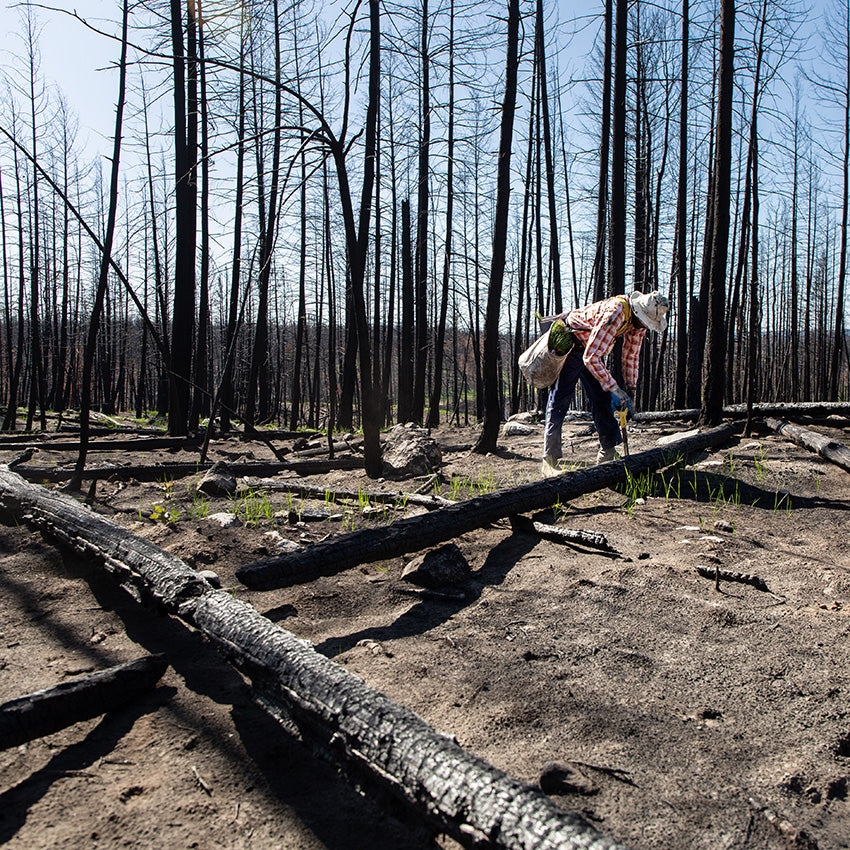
point(593, 330)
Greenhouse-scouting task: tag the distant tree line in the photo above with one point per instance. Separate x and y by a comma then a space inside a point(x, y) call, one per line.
point(346, 217)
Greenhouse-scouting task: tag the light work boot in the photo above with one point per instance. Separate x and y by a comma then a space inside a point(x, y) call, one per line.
point(550, 466)
point(604, 455)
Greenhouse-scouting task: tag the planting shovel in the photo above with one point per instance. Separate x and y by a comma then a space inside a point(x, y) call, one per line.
point(621, 414)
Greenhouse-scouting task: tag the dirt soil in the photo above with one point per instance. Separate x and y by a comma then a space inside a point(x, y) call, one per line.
point(685, 716)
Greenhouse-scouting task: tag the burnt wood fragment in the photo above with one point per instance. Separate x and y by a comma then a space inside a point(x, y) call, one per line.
point(717, 575)
point(590, 539)
point(44, 712)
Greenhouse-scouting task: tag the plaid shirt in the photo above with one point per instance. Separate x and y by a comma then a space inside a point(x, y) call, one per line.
point(596, 326)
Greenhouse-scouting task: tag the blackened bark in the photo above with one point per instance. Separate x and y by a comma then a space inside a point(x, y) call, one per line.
point(492, 413)
point(226, 385)
point(185, 204)
point(715, 361)
point(47, 711)
point(97, 309)
point(440, 337)
point(617, 272)
point(405, 360)
point(554, 251)
point(201, 396)
point(681, 219)
point(421, 282)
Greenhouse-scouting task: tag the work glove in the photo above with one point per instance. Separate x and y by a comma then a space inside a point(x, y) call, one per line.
point(620, 401)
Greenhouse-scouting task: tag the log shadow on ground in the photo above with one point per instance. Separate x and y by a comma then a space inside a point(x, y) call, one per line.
point(429, 613)
point(710, 487)
point(39, 612)
point(15, 802)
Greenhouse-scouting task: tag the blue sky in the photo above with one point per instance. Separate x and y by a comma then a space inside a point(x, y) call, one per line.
point(73, 58)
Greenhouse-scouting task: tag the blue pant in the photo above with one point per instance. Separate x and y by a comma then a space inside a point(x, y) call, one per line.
point(561, 396)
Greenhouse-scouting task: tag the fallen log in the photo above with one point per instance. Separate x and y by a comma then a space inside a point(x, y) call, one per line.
point(273, 435)
point(172, 471)
point(47, 711)
point(340, 446)
point(23, 457)
point(142, 444)
point(412, 534)
point(308, 491)
point(371, 738)
point(826, 447)
point(738, 411)
point(590, 539)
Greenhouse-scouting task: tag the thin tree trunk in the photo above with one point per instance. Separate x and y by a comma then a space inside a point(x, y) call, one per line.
point(258, 381)
point(838, 339)
point(554, 251)
point(492, 414)
point(713, 380)
point(405, 362)
point(599, 276)
point(94, 324)
point(440, 337)
point(185, 156)
point(421, 269)
point(201, 395)
point(226, 386)
point(617, 271)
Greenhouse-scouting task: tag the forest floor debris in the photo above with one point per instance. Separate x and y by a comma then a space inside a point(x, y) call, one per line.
point(707, 699)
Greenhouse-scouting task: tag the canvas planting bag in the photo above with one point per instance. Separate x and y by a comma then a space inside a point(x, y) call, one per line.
point(540, 366)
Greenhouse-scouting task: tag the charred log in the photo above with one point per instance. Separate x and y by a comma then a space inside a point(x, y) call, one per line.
point(142, 444)
point(174, 471)
point(826, 447)
point(739, 411)
point(47, 711)
point(309, 491)
point(570, 536)
point(412, 534)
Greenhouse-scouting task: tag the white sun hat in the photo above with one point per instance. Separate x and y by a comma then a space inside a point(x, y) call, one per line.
point(651, 309)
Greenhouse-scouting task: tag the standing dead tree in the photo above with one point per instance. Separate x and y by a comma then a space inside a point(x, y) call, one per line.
point(492, 409)
point(378, 743)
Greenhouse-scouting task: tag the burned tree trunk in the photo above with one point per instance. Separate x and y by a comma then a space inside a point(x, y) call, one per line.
point(828, 449)
point(378, 743)
point(171, 471)
point(413, 534)
point(47, 711)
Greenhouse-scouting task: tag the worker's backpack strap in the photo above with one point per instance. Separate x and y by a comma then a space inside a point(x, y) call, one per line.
point(627, 309)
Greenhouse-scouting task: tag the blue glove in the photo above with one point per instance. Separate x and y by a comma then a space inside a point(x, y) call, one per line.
point(620, 401)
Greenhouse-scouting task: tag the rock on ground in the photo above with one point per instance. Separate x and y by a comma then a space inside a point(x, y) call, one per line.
point(218, 481)
point(443, 566)
point(517, 429)
point(411, 450)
